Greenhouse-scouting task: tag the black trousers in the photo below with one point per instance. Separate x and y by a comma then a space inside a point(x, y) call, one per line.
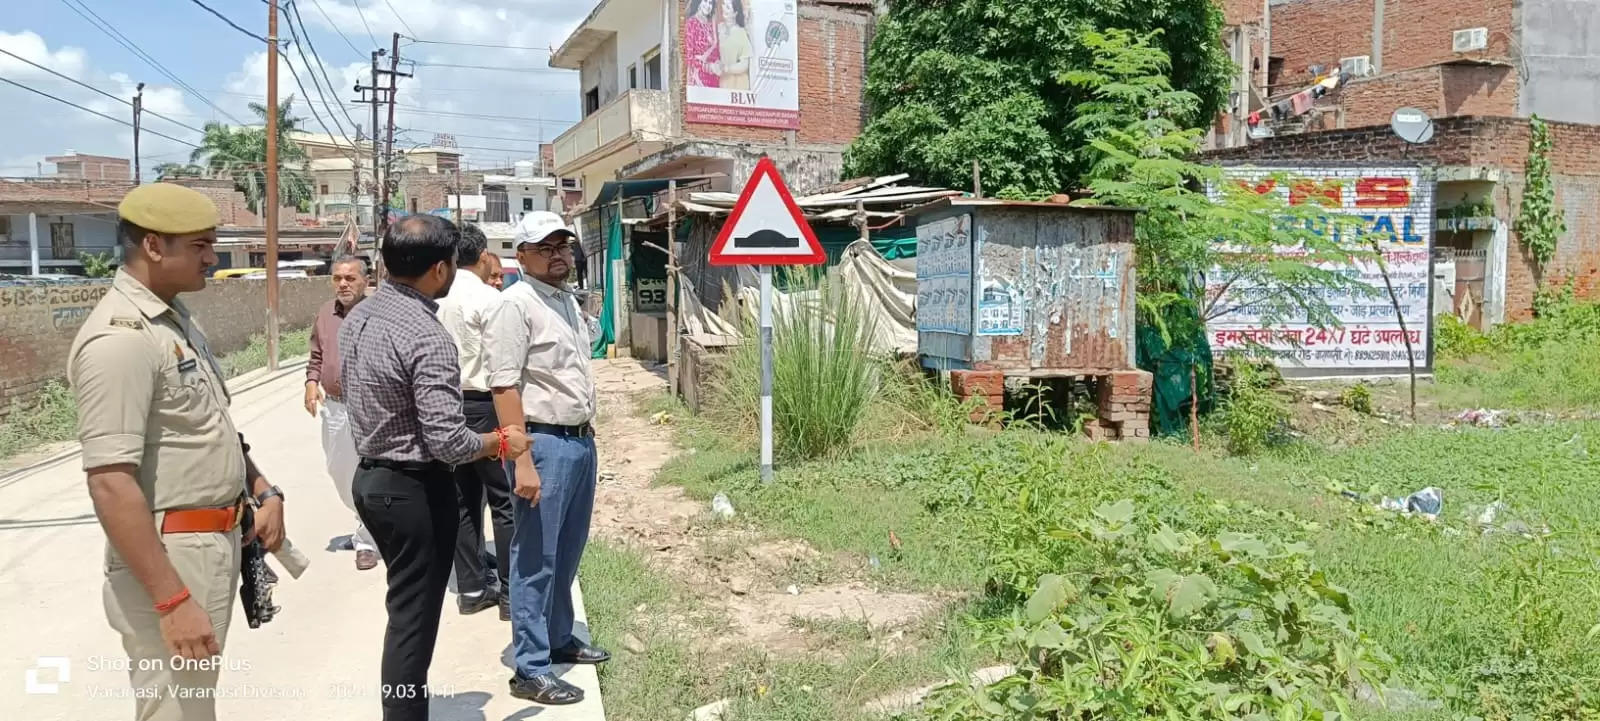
point(476, 482)
point(412, 515)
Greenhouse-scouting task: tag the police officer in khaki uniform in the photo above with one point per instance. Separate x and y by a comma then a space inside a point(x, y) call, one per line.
point(166, 466)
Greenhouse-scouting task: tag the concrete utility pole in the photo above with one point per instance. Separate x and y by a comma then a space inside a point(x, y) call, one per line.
point(138, 107)
point(271, 203)
point(672, 286)
point(388, 144)
point(380, 204)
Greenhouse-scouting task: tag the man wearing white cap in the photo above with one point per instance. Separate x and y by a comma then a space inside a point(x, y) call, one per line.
point(538, 347)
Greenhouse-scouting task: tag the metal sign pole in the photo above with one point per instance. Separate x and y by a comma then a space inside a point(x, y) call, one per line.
point(766, 373)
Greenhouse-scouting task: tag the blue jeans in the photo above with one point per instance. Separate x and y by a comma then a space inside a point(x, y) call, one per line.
point(546, 547)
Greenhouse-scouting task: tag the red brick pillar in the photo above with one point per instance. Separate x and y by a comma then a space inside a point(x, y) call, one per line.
point(987, 386)
point(1124, 400)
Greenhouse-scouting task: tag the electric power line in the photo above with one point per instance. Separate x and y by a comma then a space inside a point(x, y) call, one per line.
point(397, 16)
point(502, 90)
point(492, 67)
point(104, 27)
point(336, 29)
point(305, 35)
point(419, 110)
point(98, 90)
point(420, 41)
point(364, 24)
point(230, 23)
point(303, 93)
point(469, 135)
point(95, 112)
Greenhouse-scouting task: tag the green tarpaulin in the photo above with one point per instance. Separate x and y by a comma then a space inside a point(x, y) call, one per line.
point(1172, 365)
point(607, 325)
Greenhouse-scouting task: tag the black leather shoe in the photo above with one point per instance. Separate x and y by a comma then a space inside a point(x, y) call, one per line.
point(545, 689)
point(505, 608)
point(482, 602)
point(580, 653)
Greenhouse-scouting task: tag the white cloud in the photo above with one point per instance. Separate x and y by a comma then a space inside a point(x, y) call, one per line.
point(47, 127)
point(69, 61)
point(34, 126)
point(519, 100)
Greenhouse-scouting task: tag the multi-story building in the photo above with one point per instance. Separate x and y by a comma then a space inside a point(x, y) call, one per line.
point(45, 223)
point(671, 88)
point(341, 171)
point(1445, 57)
point(81, 166)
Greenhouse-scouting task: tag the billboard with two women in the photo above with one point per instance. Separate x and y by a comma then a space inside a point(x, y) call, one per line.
point(741, 58)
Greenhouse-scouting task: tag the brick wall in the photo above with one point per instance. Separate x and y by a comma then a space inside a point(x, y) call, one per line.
point(47, 190)
point(1417, 32)
point(833, 48)
point(40, 321)
point(231, 206)
point(1372, 101)
point(1479, 90)
point(1241, 12)
point(1489, 142)
point(1319, 32)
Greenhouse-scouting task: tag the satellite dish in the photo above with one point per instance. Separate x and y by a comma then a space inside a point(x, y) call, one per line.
point(1412, 125)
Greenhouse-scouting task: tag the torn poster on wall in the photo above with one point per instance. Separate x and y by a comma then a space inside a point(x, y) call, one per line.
point(1000, 308)
point(944, 276)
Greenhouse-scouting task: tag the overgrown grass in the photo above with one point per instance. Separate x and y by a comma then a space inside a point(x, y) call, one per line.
point(1497, 622)
point(830, 391)
point(1541, 364)
point(52, 415)
point(1493, 625)
point(667, 673)
point(291, 344)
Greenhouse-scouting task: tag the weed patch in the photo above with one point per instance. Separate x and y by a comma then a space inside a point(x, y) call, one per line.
point(52, 416)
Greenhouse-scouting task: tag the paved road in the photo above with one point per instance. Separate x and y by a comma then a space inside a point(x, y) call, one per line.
point(317, 661)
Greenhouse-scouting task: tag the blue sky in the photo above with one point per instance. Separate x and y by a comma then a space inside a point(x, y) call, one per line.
point(229, 70)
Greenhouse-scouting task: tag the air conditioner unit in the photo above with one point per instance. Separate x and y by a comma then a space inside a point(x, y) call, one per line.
point(1463, 41)
point(1359, 66)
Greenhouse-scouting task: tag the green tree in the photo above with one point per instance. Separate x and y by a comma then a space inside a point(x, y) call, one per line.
point(1204, 242)
point(241, 154)
point(954, 81)
point(179, 170)
point(98, 265)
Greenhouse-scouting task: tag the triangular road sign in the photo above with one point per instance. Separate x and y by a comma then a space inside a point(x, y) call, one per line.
point(766, 227)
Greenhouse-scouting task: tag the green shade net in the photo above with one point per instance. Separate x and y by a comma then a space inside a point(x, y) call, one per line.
point(1171, 365)
point(608, 331)
point(892, 244)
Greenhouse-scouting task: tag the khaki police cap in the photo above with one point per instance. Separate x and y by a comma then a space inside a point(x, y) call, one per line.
point(168, 208)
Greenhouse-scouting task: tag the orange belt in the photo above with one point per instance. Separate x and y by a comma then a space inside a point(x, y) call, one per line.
point(203, 520)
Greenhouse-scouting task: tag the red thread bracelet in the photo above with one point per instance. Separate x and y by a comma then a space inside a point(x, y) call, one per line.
point(173, 602)
point(505, 445)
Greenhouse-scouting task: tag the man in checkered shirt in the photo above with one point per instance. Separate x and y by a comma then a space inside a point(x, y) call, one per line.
point(402, 384)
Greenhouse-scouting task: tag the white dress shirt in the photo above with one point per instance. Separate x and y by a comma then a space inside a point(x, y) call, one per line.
point(465, 315)
point(539, 342)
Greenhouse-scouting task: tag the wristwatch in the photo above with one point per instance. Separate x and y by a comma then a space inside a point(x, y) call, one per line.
point(270, 492)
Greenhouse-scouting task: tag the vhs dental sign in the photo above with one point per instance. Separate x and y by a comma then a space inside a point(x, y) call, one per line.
point(1396, 206)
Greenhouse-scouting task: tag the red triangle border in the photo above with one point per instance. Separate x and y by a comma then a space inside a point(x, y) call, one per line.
point(721, 258)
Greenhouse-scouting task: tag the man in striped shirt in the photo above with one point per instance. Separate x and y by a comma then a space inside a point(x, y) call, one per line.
point(402, 384)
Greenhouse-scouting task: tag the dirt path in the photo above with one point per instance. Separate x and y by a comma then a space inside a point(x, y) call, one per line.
point(753, 580)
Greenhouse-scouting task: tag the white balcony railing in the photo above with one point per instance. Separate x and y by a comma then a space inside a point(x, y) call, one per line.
point(639, 115)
